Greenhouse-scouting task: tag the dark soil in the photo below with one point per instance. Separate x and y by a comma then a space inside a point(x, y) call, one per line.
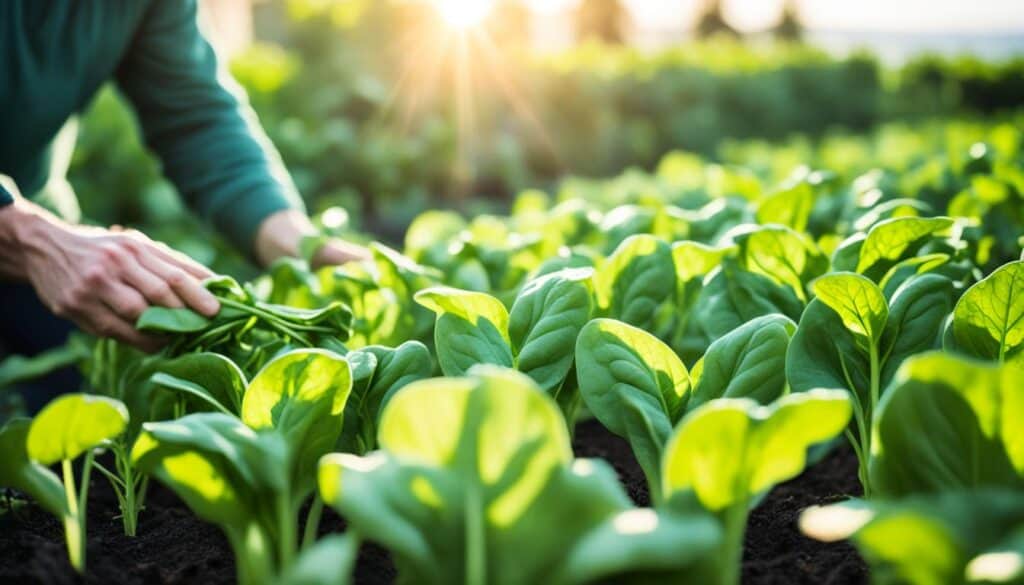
point(174, 547)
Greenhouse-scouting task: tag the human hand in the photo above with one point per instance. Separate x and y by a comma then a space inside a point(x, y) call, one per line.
point(104, 279)
point(337, 252)
point(282, 235)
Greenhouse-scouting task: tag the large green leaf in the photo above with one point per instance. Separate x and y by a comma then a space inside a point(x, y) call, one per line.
point(21, 473)
point(949, 423)
point(824, 354)
point(790, 206)
point(694, 259)
point(221, 468)
point(784, 255)
point(301, 395)
point(634, 384)
point(859, 303)
point(72, 424)
point(732, 296)
point(165, 320)
point(636, 279)
point(749, 362)
point(890, 240)
point(988, 321)
point(731, 450)
point(475, 485)
point(949, 538)
point(394, 368)
point(471, 328)
point(917, 313)
point(544, 322)
point(212, 378)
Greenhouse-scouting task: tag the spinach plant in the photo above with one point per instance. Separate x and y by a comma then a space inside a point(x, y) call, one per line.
point(730, 451)
point(537, 337)
point(476, 484)
point(249, 474)
point(953, 537)
point(852, 337)
point(639, 388)
point(949, 423)
point(67, 428)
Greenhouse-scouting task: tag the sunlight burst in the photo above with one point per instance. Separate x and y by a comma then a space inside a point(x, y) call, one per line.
point(463, 14)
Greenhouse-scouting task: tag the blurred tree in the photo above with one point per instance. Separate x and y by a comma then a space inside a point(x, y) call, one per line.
point(509, 24)
point(789, 27)
point(602, 20)
point(711, 22)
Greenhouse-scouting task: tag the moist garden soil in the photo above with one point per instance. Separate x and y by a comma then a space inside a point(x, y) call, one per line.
point(175, 547)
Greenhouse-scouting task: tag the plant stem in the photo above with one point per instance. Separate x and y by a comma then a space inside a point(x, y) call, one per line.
point(316, 510)
point(73, 529)
point(129, 508)
point(286, 533)
point(270, 319)
point(868, 424)
point(476, 547)
point(735, 525)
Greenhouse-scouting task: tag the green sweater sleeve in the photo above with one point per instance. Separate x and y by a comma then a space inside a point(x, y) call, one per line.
point(199, 123)
point(5, 197)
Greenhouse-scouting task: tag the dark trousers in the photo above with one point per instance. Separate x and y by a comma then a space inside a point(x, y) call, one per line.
point(27, 328)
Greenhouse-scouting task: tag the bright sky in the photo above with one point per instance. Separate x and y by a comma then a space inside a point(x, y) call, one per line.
point(874, 15)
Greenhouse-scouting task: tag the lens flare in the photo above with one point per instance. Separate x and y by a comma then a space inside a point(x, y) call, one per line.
point(463, 14)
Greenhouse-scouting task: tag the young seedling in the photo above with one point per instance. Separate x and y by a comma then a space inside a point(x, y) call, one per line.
point(251, 473)
point(68, 427)
point(852, 337)
point(537, 337)
point(476, 484)
point(639, 388)
point(730, 451)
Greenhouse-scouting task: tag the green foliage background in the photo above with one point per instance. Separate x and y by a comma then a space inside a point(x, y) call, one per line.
point(331, 96)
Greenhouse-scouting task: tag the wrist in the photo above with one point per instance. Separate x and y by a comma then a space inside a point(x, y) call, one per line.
point(280, 235)
point(25, 228)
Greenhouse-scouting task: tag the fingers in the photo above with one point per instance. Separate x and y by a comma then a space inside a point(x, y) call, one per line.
point(155, 289)
point(171, 256)
point(338, 252)
point(104, 322)
point(125, 302)
point(186, 286)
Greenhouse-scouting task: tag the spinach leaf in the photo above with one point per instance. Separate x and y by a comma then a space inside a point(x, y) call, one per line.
point(988, 322)
point(476, 484)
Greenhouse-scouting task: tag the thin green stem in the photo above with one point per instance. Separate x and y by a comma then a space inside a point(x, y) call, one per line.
point(316, 510)
point(476, 546)
point(271, 319)
point(129, 505)
point(73, 529)
point(286, 532)
point(83, 497)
